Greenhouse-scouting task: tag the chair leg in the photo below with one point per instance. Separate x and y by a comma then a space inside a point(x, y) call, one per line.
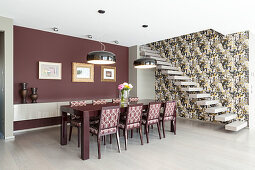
point(131, 133)
point(174, 122)
point(141, 134)
point(110, 138)
point(70, 133)
point(163, 128)
point(125, 139)
point(151, 126)
point(147, 133)
point(79, 137)
point(118, 140)
point(159, 133)
point(104, 140)
point(98, 147)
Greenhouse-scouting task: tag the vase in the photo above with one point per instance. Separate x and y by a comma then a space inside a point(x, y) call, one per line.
point(124, 95)
point(23, 92)
point(34, 95)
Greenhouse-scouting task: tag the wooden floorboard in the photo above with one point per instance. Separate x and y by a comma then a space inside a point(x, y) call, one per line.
point(197, 145)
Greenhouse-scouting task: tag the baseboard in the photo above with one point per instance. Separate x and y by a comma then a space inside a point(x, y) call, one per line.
point(17, 132)
point(9, 138)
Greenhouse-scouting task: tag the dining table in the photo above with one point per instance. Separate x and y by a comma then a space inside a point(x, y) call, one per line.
point(85, 112)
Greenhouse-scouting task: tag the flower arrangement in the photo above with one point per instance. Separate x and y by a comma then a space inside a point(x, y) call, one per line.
point(124, 90)
point(125, 86)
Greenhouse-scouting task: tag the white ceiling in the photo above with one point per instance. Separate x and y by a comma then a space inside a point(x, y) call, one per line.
point(123, 19)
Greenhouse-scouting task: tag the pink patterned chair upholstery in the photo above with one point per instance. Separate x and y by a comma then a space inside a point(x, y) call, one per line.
point(169, 114)
point(133, 99)
point(75, 121)
point(132, 121)
point(101, 101)
point(151, 118)
point(108, 124)
point(116, 100)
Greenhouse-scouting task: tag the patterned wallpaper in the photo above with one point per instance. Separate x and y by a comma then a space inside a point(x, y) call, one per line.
point(220, 64)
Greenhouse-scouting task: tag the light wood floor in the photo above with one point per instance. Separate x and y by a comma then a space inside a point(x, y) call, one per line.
point(197, 145)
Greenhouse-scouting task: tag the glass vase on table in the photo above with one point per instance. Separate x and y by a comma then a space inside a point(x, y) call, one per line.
point(124, 89)
point(124, 95)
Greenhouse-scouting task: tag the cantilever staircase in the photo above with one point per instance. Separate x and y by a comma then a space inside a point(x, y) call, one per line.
point(186, 84)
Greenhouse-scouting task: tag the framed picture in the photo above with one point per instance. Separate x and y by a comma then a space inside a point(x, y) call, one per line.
point(49, 70)
point(108, 74)
point(82, 72)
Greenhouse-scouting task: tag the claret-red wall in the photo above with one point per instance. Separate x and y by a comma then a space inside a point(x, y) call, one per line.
point(32, 46)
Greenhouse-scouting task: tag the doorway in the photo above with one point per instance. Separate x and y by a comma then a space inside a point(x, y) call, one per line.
point(2, 100)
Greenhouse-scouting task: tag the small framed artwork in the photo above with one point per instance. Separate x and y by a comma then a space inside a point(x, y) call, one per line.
point(49, 70)
point(82, 72)
point(108, 74)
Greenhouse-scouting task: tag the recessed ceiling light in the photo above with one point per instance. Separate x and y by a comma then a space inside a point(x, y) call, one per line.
point(116, 42)
point(144, 26)
point(89, 36)
point(55, 29)
point(100, 11)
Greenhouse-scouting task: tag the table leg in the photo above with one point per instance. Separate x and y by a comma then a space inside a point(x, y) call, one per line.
point(85, 136)
point(63, 130)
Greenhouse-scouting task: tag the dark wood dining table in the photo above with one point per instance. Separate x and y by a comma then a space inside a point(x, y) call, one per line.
point(86, 112)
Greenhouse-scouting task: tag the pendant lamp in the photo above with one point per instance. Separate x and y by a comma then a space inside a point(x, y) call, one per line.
point(101, 57)
point(145, 63)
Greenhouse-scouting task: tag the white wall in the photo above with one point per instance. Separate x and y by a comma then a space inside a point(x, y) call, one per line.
point(6, 26)
point(251, 80)
point(143, 80)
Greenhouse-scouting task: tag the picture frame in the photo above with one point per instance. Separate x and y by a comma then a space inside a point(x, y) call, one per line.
point(82, 72)
point(108, 74)
point(50, 70)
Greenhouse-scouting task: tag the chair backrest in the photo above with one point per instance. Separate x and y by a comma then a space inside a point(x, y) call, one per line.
point(133, 99)
point(154, 110)
point(100, 101)
point(78, 103)
point(116, 100)
point(109, 117)
point(134, 114)
point(169, 108)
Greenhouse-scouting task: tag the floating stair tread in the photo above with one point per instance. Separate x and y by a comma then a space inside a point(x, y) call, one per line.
point(199, 95)
point(207, 102)
point(236, 126)
point(143, 53)
point(164, 63)
point(172, 72)
point(185, 83)
point(225, 117)
point(145, 47)
point(157, 58)
point(192, 89)
point(162, 67)
point(149, 50)
point(179, 77)
point(216, 109)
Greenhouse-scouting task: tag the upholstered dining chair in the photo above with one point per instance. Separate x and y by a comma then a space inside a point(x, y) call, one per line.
point(169, 114)
point(132, 121)
point(95, 119)
point(151, 118)
point(100, 101)
point(133, 99)
point(116, 100)
point(108, 124)
point(75, 121)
